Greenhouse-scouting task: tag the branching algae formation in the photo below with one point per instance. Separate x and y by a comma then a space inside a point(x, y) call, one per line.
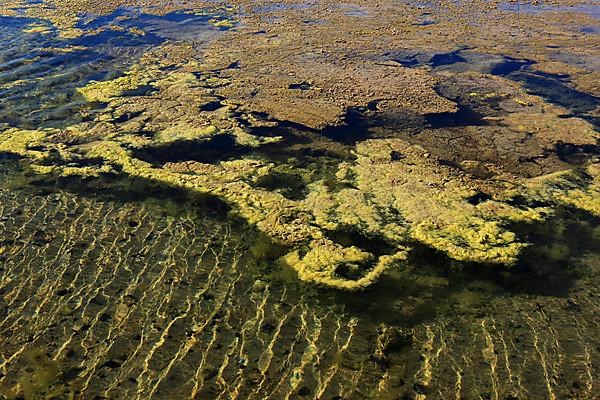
point(292, 200)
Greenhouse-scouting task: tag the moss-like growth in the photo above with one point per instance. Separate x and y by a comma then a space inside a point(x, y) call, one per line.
point(402, 193)
point(107, 90)
point(43, 382)
point(183, 132)
point(575, 188)
point(470, 239)
point(392, 195)
point(20, 142)
point(222, 23)
point(327, 263)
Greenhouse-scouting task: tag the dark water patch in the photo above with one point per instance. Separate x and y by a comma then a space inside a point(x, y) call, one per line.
point(126, 189)
point(591, 29)
point(8, 156)
point(289, 185)
point(9, 22)
point(300, 86)
point(406, 57)
point(408, 61)
point(465, 116)
point(536, 8)
point(211, 106)
point(426, 22)
point(430, 285)
point(302, 142)
point(353, 271)
point(354, 129)
point(353, 10)
point(510, 65)
point(393, 123)
point(127, 116)
point(177, 25)
point(576, 154)
point(555, 89)
point(348, 236)
point(218, 148)
point(478, 198)
point(442, 59)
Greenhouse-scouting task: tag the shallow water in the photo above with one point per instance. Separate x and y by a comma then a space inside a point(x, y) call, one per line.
point(113, 287)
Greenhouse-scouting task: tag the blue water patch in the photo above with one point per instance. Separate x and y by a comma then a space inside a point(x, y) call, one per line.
point(450, 58)
point(179, 25)
point(554, 88)
point(7, 23)
point(540, 7)
point(591, 29)
point(40, 72)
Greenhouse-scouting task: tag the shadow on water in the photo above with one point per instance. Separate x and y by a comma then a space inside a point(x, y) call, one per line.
point(465, 116)
point(554, 88)
point(442, 59)
point(217, 148)
point(117, 188)
point(431, 285)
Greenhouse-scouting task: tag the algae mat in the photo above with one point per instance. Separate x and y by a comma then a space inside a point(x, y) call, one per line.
point(299, 200)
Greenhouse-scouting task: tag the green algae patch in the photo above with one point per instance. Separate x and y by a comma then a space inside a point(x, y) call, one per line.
point(184, 132)
point(346, 268)
point(105, 91)
point(342, 231)
point(279, 218)
point(224, 23)
point(472, 239)
point(575, 188)
point(394, 191)
point(403, 193)
point(271, 212)
point(20, 142)
point(44, 379)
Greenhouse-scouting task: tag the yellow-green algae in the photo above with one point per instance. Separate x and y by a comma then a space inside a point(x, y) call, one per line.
point(403, 193)
point(320, 264)
point(393, 192)
point(397, 212)
point(106, 90)
point(575, 188)
point(280, 218)
point(19, 141)
point(179, 121)
point(183, 132)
